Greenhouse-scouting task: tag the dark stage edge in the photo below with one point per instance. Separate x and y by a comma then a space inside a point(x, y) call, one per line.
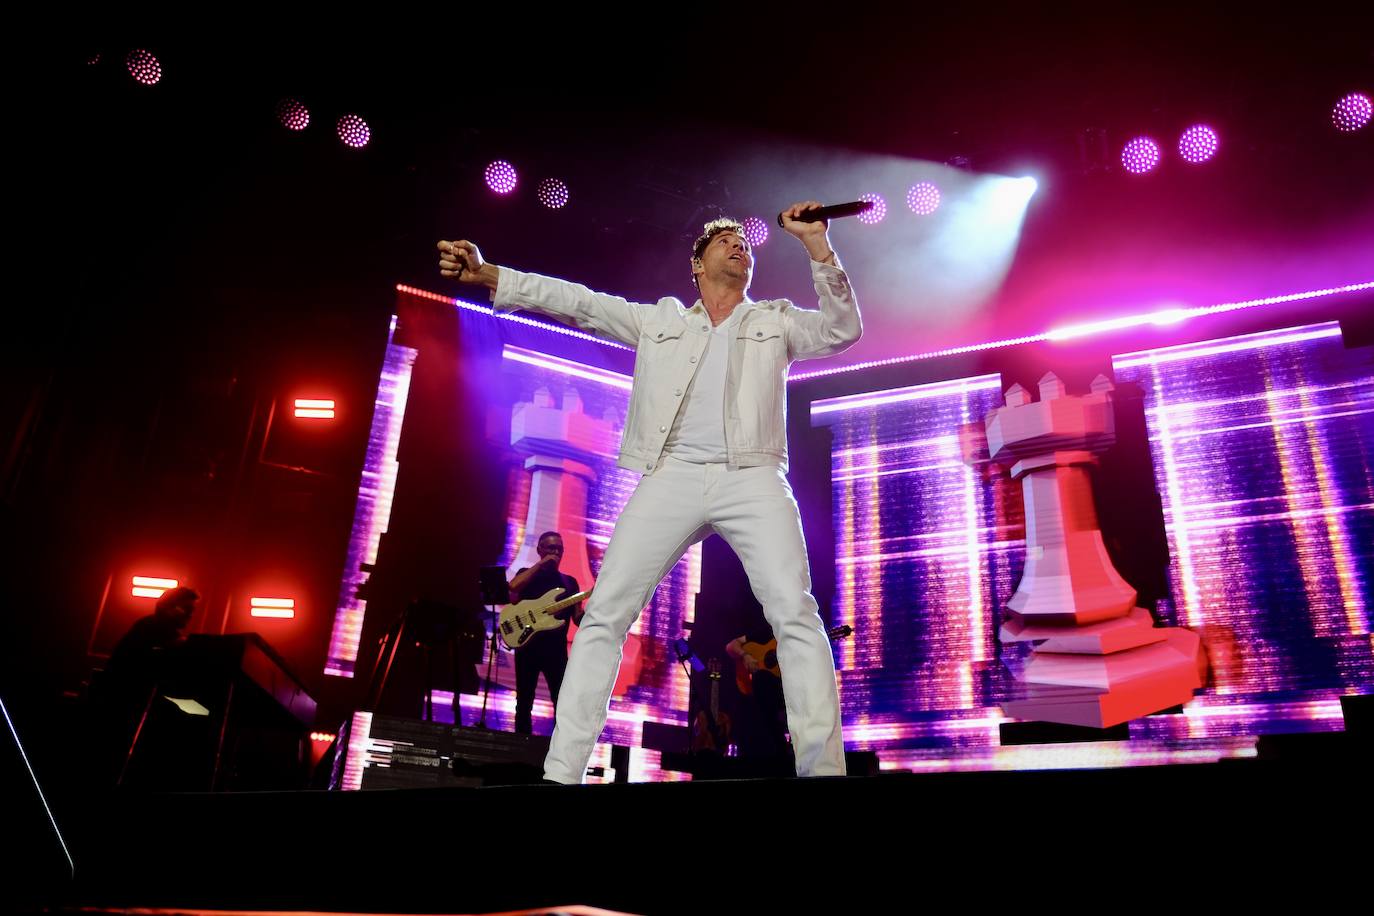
point(1239, 829)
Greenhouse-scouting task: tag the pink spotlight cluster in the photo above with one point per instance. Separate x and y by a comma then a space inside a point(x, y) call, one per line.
point(876, 215)
point(1198, 144)
point(552, 193)
point(755, 231)
point(1140, 155)
point(923, 198)
point(293, 114)
point(144, 67)
point(1352, 112)
point(501, 177)
point(353, 131)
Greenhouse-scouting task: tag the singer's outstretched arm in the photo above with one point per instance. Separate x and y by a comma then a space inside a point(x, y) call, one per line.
point(836, 326)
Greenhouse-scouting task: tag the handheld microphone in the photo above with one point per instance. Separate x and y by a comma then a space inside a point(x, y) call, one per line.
point(853, 208)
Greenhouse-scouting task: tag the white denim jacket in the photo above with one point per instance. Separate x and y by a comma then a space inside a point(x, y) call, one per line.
point(669, 340)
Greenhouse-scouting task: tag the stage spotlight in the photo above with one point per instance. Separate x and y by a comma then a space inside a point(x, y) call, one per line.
point(876, 215)
point(293, 114)
point(755, 231)
point(151, 586)
point(143, 67)
point(272, 607)
point(353, 131)
point(923, 198)
point(1003, 201)
point(1198, 144)
point(315, 408)
point(1352, 112)
point(1140, 155)
point(553, 193)
point(501, 177)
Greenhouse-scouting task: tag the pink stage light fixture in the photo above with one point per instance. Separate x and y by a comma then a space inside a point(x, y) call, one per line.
point(144, 67)
point(293, 114)
point(553, 193)
point(877, 214)
point(501, 177)
point(353, 131)
point(923, 198)
point(1352, 112)
point(1140, 156)
point(1198, 144)
point(755, 231)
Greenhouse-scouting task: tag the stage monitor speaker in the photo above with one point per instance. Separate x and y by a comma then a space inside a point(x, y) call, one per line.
point(413, 754)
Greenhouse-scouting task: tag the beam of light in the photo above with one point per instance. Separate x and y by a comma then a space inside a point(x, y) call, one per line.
point(1171, 315)
point(1227, 345)
point(1006, 199)
point(1160, 318)
point(506, 316)
point(566, 367)
point(916, 357)
point(14, 733)
point(1175, 314)
point(899, 395)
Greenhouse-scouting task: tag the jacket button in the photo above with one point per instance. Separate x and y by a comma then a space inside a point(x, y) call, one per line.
point(663, 429)
point(648, 467)
point(677, 393)
point(691, 359)
point(758, 333)
point(660, 335)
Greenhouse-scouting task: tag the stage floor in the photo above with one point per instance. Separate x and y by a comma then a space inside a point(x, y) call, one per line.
point(885, 843)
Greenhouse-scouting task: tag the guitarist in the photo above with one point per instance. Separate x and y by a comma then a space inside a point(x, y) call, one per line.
point(762, 731)
point(546, 652)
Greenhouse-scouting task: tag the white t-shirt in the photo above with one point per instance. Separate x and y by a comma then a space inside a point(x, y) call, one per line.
point(698, 432)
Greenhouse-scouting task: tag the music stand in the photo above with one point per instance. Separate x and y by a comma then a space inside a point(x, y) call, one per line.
point(433, 625)
point(495, 590)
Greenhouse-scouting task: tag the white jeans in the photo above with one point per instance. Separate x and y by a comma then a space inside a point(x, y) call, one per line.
point(674, 507)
